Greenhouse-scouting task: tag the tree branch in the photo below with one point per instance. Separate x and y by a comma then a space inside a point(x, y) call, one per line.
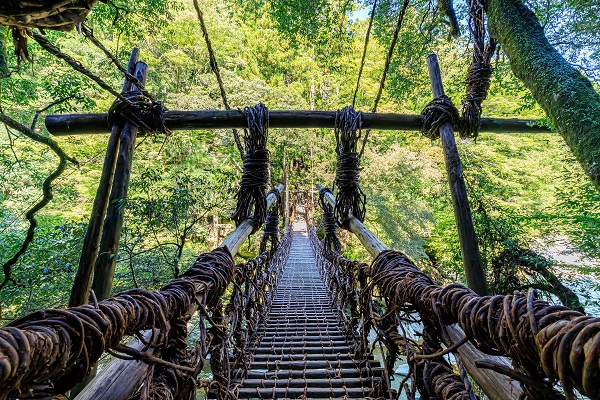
point(46, 188)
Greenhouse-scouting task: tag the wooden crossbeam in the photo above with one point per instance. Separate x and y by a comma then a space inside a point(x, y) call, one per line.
point(75, 124)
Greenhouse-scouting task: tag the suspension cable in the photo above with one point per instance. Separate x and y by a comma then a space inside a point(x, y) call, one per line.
point(364, 55)
point(215, 68)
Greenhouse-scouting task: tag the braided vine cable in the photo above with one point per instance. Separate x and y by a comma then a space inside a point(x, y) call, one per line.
point(251, 197)
point(350, 197)
point(47, 352)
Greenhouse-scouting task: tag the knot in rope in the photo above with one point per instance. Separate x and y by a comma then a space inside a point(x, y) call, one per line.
point(255, 175)
point(350, 197)
point(143, 112)
point(331, 241)
point(439, 111)
point(271, 228)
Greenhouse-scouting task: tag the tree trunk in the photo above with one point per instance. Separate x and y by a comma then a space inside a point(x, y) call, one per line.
point(4, 71)
point(564, 93)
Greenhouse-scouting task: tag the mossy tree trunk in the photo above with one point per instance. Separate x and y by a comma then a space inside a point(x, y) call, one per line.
point(4, 71)
point(564, 93)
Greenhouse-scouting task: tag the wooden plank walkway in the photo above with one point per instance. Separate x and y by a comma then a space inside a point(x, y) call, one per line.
point(303, 353)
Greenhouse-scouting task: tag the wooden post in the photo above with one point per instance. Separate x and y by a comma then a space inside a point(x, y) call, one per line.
point(83, 278)
point(469, 247)
point(496, 386)
point(121, 378)
point(104, 269)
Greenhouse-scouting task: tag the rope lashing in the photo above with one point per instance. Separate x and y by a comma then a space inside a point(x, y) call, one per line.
point(480, 71)
point(145, 113)
point(439, 111)
point(350, 197)
point(478, 85)
point(271, 228)
point(49, 351)
point(331, 242)
point(255, 176)
point(137, 107)
point(546, 343)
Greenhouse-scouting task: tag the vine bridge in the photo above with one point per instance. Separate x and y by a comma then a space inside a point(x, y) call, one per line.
point(299, 320)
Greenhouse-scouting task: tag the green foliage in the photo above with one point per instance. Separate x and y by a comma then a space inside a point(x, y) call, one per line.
point(290, 55)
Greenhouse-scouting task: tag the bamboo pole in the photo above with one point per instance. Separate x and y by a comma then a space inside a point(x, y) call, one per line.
point(75, 124)
point(121, 378)
point(104, 269)
point(91, 242)
point(496, 386)
point(469, 247)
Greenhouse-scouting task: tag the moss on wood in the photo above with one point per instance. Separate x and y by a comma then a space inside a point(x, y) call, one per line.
point(564, 93)
point(4, 72)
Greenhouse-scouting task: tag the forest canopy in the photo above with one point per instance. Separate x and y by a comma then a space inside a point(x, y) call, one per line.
point(533, 196)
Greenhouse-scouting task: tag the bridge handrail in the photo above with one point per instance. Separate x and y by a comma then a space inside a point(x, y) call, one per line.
point(49, 351)
point(495, 385)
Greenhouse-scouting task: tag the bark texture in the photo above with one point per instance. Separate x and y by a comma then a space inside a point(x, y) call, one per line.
point(564, 93)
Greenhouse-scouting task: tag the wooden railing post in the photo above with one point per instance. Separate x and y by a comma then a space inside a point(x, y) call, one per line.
point(469, 247)
point(496, 386)
point(91, 242)
point(104, 269)
point(121, 378)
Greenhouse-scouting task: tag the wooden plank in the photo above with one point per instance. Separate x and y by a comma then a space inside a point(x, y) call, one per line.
point(494, 385)
point(83, 278)
point(469, 246)
point(73, 124)
point(104, 269)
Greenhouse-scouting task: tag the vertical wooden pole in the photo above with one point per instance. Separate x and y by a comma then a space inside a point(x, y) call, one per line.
point(91, 242)
point(462, 211)
point(104, 269)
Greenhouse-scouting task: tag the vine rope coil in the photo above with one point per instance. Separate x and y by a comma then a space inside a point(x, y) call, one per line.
point(480, 71)
point(350, 197)
point(439, 111)
point(271, 228)
point(251, 196)
point(331, 242)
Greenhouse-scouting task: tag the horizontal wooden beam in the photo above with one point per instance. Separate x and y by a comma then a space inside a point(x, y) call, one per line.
point(493, 384)
point(75, 124)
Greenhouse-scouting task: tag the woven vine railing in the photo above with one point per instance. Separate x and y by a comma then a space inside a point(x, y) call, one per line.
point(554, 350)
point(47, 352)
point(254, 285)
